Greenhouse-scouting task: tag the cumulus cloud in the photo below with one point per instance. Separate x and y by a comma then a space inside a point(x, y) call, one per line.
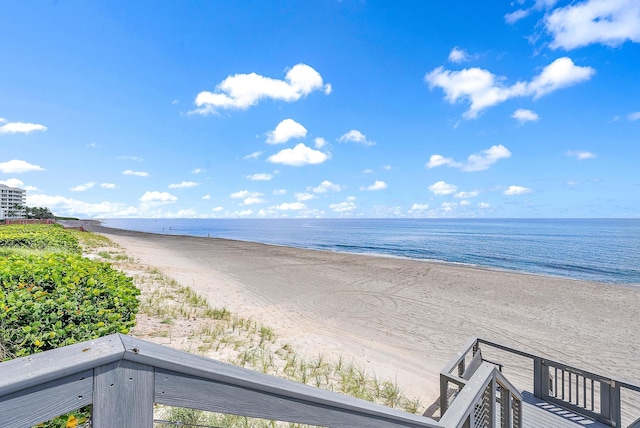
point(19, 127)
point(158, 197)
point(254, 155)
point(516, 190)
point(608, 22)
point(17, 166)
point(304, 196)
point(73, 207)
point(15, 182)
point(484, 205)
point(378, 185)
point(582, 155)
point(291, 206)
point(632, 117)
point(319, 142)
point(245, 194)
point(136, 173)
point(416, 208)
point(83, 187)
point(217, 209)
point(355, 136)
point(244, 213)
point(198, 171)
point(326, 186)
point(253, 200)
point(482, 89)
point(183, 185)
point(206, 197)
point(286, 130)
point(523, 115)
point(344, 207)
point(108, 185)
point(475, 162)
point(278, 192)
point(458, 55)
point(242, 91)
point(441, 188)
point(299, 155)
point(260, 177)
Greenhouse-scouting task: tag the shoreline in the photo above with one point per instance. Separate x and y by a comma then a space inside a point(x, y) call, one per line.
point(402, 318)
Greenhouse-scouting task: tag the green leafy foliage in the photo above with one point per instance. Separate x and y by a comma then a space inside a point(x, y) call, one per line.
point(60, 299)
point(50, 237)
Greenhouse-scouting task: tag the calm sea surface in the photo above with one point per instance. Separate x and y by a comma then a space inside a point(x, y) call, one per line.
point(585, 249)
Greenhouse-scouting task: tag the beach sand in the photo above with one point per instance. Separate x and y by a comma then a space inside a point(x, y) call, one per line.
point(403, 318)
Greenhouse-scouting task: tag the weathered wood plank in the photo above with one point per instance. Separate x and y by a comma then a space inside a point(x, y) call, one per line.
point(207, 369)
point(123, 395)
point(187, 391)
point(36, 369)
point(41, 403)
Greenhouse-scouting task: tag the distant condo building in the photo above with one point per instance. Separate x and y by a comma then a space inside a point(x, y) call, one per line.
point(12, 202)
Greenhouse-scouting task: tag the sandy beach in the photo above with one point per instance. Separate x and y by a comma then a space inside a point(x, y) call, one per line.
point(404, 319)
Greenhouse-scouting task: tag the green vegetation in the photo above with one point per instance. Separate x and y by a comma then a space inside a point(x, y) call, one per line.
point(38, 238)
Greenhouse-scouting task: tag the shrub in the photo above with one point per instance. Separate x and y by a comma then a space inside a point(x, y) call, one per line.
point(51, 237)
point(59, 299)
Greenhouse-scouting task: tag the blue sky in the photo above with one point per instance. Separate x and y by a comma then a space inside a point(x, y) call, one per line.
point(322, 108)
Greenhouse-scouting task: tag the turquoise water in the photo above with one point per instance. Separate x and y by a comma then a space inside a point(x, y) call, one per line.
point(606, 250)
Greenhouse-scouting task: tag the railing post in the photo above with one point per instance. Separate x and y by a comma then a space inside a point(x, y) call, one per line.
point(444, 389)
point(123, 394)
point(537, 377)
point(614, 403)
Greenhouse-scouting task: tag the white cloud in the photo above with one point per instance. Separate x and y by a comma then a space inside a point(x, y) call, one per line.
point(523, 115)
point(162, 197)
point(253, 155)
point(378, 185)
point(217, 209)
point(108, 185)
point(367, 171)
point(14, 182)
point(93, 145)
point(198, 171)
point(343, 207)
point(242, 91)
point(608, 22)
point(416, 208)
point(582, 155)
point(19, 127)
point(387, 167)
point(484, 205)
point(291, 206)
point(516, 190)
point(206, 197)
point(17, 166)
point(286, 130)
point(304, 196)
point(183, 185)
point(136, 173)
point(326, 186)
point(73, 207)
point(279, 192)
point(83, 187)
point(471, 194)
point(298, 156)
point(260, 177)
point(245, 194)
point(441, 188)
point(458, 55)
point(482, 89)
point(133, 158)
point(475, 162)
point(244, 213)
point(516, 16)
point(319, 142)
point(464, 203)
point(355, 136)
point(632, 117)
point(253, 200)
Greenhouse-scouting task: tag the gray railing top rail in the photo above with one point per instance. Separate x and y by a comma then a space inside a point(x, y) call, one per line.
point(27, 373)
point(608, 379)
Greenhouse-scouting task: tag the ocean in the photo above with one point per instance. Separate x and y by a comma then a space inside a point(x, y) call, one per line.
point(604, 250)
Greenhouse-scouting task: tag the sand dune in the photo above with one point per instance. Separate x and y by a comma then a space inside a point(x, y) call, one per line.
point(404, 319)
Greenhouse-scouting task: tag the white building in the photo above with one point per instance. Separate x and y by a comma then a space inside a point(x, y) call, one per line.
point(10, 197)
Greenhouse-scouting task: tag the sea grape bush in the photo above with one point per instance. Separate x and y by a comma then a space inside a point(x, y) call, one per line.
point(59, 299)
point(38, 237)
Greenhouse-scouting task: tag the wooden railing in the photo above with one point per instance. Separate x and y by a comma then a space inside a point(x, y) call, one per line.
point(122, 377)
point(585, 393)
